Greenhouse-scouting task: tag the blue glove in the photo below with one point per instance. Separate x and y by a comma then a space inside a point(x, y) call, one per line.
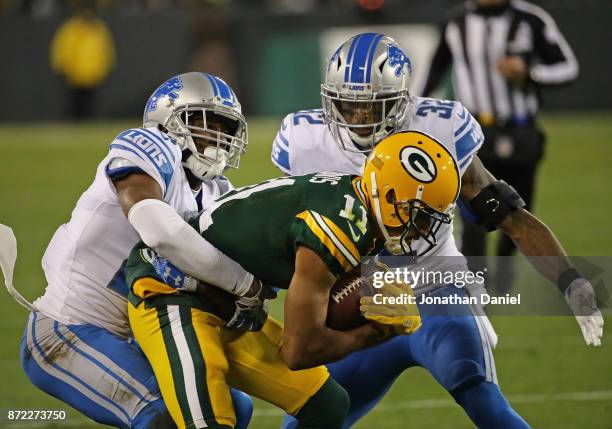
point(172, 276)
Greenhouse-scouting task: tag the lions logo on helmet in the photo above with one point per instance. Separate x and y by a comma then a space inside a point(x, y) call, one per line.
point(412, 182)
point(365, 93)
point(169, 88)
point(201, 112)
point(398, 59)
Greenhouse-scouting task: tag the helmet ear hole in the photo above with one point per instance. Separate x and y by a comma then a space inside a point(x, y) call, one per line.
point(390, 197)
point(381, 67)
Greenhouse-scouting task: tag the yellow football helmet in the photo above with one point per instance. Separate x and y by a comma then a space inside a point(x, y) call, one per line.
point(412, 182)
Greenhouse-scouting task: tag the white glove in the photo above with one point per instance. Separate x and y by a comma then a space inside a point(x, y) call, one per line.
point(580, 297)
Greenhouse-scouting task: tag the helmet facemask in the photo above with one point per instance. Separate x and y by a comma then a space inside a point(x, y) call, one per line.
point(366, 118)
point(419, 221)
point(211, 138)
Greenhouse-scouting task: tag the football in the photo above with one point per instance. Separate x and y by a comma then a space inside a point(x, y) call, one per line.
point(343, 309)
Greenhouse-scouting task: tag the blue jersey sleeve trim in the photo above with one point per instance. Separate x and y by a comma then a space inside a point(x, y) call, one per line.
point(280, 156)
point(466, 212)
point(283, 139)
point(463, 126)
point(127, 148)
point(122, 171)
point(469, 142)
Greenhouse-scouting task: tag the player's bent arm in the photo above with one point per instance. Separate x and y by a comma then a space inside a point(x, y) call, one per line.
point(531, 236)
point(307, 341)
point(537, 242)
point(162, 229)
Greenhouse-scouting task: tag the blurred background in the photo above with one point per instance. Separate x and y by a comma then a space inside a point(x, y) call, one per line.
point(60, 112)
point(269, 51)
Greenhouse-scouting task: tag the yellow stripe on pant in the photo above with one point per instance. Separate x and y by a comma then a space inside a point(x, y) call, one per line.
point(195, 357)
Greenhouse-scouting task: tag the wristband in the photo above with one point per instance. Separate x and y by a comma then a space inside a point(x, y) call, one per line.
point(566, 278)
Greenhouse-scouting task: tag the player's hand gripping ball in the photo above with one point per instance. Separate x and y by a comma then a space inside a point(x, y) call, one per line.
point(351, 303)
point(393, 311)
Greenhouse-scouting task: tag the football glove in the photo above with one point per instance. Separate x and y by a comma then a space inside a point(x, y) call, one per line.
point(251, 312)
point(580, 296)
point(398, 319)
point(172, 276)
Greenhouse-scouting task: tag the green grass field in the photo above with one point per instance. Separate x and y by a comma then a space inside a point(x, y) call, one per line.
point(544, 368)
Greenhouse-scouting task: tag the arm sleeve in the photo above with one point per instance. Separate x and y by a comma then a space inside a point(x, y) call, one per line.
point(280, 147)
point(162, 229)
point(556, 62)
point(440, 64)
point(326, 239)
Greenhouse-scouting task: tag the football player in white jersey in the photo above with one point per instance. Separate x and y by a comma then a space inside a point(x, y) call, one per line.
point(365, 97)
point(77, 344)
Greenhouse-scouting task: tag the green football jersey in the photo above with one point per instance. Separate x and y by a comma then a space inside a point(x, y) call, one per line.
point(261, 226)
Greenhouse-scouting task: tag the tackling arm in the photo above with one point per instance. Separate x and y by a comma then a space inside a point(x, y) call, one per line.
point(307, 341)
point(538, 243)
point(161, 228)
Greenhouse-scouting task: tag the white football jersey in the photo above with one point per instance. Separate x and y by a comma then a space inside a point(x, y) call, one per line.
point(305, 145)
point(85, 259)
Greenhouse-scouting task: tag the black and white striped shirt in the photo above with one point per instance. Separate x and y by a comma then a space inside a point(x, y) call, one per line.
point(476, 38)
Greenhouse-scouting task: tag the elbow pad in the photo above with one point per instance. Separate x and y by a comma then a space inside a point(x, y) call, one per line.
point(494, 203)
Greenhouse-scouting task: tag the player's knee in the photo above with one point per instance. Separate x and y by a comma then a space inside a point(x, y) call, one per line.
point(243, 406)
point(327, 408)
point(463, 374)
point(338, 406)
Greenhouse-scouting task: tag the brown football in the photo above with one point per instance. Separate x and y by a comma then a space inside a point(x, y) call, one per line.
point(343, 309)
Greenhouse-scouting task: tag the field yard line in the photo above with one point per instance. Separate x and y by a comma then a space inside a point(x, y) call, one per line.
point(529, 398)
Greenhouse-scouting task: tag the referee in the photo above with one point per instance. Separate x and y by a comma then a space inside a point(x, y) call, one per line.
point(501, 52)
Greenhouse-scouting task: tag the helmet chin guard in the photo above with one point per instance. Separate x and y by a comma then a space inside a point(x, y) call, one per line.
point(206, 167)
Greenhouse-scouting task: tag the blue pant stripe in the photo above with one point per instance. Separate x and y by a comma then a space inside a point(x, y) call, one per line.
point(486, 351)
point(125, 418)
point(97, 362)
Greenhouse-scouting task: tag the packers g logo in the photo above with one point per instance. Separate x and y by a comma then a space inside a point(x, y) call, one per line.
point(418, 164)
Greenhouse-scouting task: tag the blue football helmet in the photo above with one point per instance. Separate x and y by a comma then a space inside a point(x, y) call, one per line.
point(365, 92)
point(201, 112)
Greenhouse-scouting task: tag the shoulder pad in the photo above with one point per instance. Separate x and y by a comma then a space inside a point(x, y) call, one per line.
point(149, 149)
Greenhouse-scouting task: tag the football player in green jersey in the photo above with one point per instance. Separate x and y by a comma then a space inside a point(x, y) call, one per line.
point(297, 233)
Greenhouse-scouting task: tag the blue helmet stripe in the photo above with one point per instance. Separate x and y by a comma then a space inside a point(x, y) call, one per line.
point(349, 58)
point(371, 57)
point(213, 84)
point(358, 63)
point(225, 92)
